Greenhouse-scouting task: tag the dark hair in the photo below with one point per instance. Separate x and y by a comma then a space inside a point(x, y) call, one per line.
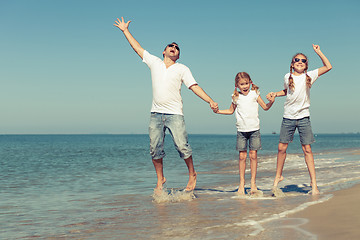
point(170, 44)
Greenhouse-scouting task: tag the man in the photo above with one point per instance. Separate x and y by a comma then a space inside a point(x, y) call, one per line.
point(166, 112)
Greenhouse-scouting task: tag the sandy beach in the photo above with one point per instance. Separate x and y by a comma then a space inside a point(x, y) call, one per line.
point(338, 218)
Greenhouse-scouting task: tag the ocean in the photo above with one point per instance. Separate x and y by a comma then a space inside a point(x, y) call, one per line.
point(101, 187)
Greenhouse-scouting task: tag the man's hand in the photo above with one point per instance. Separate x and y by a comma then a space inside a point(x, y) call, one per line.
point(214, 106)
point(121, 24)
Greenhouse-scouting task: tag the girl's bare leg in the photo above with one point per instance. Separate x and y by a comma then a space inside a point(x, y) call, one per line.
point(253, 166)
point(280, 163)
point(309, 159)
point(242, 166)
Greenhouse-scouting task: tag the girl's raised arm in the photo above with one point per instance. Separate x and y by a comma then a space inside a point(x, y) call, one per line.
point(327, 65)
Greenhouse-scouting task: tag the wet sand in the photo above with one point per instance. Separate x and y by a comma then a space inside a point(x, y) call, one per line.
point(338, 218)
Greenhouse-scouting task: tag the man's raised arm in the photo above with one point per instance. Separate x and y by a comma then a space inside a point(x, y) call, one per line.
point(124, 27)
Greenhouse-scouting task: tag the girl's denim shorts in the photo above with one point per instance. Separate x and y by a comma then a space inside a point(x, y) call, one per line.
point(303, 125)
point(252, 137)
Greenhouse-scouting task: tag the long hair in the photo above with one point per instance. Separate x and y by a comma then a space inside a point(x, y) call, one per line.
point(291, 80)
point(238, 77)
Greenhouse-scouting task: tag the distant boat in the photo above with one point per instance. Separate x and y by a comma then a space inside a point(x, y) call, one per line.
point(273, 133)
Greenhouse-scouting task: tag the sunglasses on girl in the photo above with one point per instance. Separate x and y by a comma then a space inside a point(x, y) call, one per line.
point(298, 60)
point(173, 45)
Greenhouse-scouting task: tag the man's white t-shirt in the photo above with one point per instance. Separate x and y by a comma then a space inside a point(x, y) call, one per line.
point(297, 101)
point(247, 112)
point(166, 84)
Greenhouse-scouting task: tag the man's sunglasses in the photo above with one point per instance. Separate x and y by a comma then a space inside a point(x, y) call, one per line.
point(298, 60)
point(173, 45)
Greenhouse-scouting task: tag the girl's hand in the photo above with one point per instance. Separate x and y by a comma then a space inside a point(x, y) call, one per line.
point(121, 24)
point(316, 48)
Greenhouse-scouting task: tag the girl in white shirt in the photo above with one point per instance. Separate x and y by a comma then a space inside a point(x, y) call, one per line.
point(297, 86)
point(245, 104)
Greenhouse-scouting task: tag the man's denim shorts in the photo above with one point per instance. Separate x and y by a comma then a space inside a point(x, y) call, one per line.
point(253, 138)
point(303, 125)
point(159, 122)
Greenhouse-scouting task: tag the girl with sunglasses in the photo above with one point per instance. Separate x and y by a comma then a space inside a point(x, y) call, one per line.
point(245, 104)
point(297, 86)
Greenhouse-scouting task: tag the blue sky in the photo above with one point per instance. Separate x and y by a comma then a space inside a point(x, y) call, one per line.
point(66, 69)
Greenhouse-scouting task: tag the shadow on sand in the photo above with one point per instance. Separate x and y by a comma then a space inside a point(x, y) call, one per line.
point(304, 189)
point(288, 189)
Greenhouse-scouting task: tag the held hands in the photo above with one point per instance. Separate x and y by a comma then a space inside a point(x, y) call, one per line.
point(214, 106)
point(271, 96)
point(121, 24)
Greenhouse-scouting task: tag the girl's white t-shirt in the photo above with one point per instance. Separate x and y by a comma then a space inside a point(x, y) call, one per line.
point(247, 112)
point(297, 101)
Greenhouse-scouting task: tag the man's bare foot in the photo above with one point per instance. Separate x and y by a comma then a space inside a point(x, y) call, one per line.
point(164, 181)
point(157, 191)
point(192, 183)
point(277, 180)
point(159, 185)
